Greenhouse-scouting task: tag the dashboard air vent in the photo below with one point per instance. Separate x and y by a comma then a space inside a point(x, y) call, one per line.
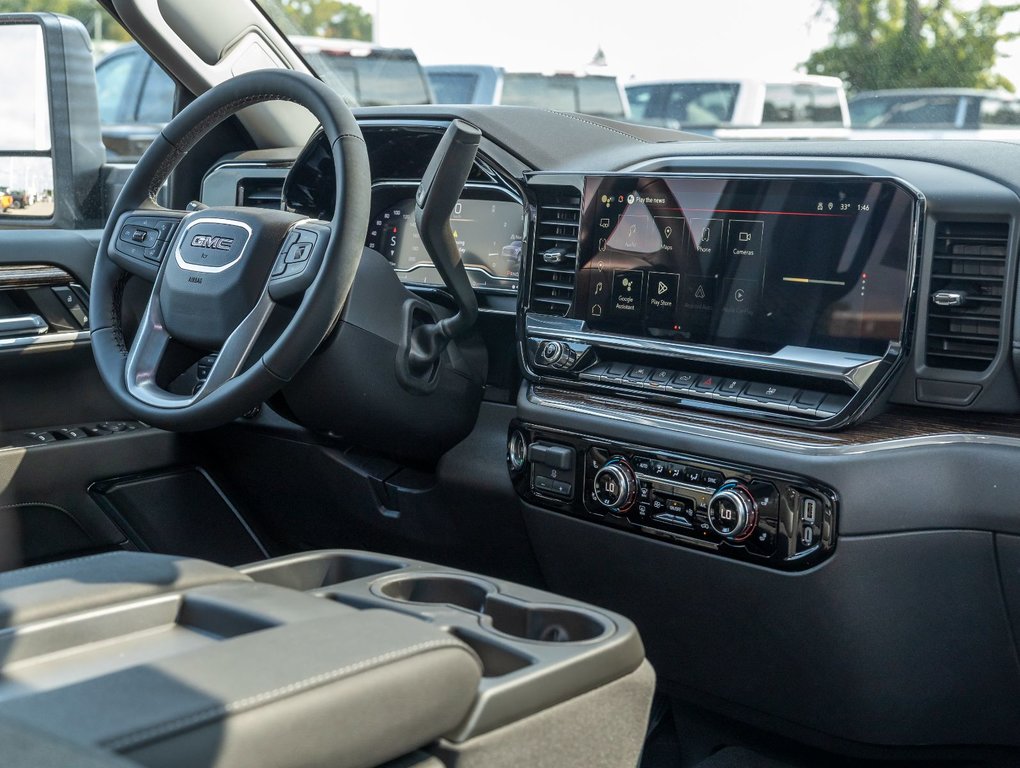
point(965, 304)
point(264, 192)
point(554, 271)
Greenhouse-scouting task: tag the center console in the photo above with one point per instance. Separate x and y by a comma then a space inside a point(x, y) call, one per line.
point(779, 297)
point(333, 657)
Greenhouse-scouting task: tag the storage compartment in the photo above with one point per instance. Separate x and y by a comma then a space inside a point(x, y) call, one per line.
point(180, 512)
point(314, 570)
point(518, 618)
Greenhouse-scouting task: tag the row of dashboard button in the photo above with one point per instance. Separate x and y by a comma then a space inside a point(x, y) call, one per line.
point(668, 470)
point(802, 402)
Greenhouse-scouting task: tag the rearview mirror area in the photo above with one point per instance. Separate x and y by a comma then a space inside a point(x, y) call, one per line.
point(51, 153)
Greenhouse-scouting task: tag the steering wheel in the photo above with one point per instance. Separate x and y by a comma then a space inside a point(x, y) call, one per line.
point(222, 278)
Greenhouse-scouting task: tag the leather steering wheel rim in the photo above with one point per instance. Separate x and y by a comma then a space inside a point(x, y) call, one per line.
point(322, 300)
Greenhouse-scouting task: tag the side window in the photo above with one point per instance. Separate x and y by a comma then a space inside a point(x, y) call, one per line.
point(995, 113)
point(702, 103)
point(156, 102)
point(929, 111)
point(780, 106)
point(113, 78)
point(825, 106)
point(599, 96)
point(640, 98)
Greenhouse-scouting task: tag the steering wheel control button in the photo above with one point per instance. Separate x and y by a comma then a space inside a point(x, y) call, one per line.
point(165, 230)
point(298, 253)
point(136, 235)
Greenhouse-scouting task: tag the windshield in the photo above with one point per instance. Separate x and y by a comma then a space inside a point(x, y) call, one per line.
point(591, 94)
point(375, 77)
point(684, 103)
point(802, 69)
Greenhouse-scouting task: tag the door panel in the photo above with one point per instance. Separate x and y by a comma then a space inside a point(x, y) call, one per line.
point(48, 381)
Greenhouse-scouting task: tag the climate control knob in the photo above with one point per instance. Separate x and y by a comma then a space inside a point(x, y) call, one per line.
point(733, 512)
point(615, 485)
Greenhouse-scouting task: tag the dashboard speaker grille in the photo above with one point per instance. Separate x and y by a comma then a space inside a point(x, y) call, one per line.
point(554, 271)
point(965, 303)
point(264, 192)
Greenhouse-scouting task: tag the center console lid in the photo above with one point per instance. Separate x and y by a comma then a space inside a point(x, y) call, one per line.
point(239, 673)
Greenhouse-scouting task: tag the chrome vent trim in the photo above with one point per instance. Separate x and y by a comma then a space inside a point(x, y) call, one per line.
point(965, 300)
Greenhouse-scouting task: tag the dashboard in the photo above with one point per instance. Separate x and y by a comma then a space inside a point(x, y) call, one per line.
point(758, 397)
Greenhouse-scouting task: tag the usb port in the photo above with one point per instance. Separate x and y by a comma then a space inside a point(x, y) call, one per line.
point(807, 514)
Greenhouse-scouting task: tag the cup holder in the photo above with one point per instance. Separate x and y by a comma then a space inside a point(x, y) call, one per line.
point(545, 623)
point(541, 623)
point(319, 569)
point(449, 590)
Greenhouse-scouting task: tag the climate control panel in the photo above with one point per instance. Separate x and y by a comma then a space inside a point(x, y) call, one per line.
point(748, 513)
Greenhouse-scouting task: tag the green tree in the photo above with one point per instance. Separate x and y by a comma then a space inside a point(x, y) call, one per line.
point(88, 12)
point(329, 18)
point(913, 44)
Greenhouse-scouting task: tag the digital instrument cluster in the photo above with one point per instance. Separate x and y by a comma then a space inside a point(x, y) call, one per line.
point(488, 233)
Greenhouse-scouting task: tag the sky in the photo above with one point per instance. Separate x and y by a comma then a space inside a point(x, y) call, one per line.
point(24, 128)
point(643, 39)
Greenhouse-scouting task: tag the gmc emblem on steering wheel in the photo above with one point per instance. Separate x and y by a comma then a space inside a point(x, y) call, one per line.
point(212, 242)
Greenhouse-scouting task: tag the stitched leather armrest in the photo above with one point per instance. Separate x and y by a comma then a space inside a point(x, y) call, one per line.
point(59, 588)
point(349, 690)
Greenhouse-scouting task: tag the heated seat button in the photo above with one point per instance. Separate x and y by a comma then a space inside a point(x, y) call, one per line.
point(694, 476)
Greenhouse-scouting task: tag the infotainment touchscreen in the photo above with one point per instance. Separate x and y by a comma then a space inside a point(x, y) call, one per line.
point(748, 263)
